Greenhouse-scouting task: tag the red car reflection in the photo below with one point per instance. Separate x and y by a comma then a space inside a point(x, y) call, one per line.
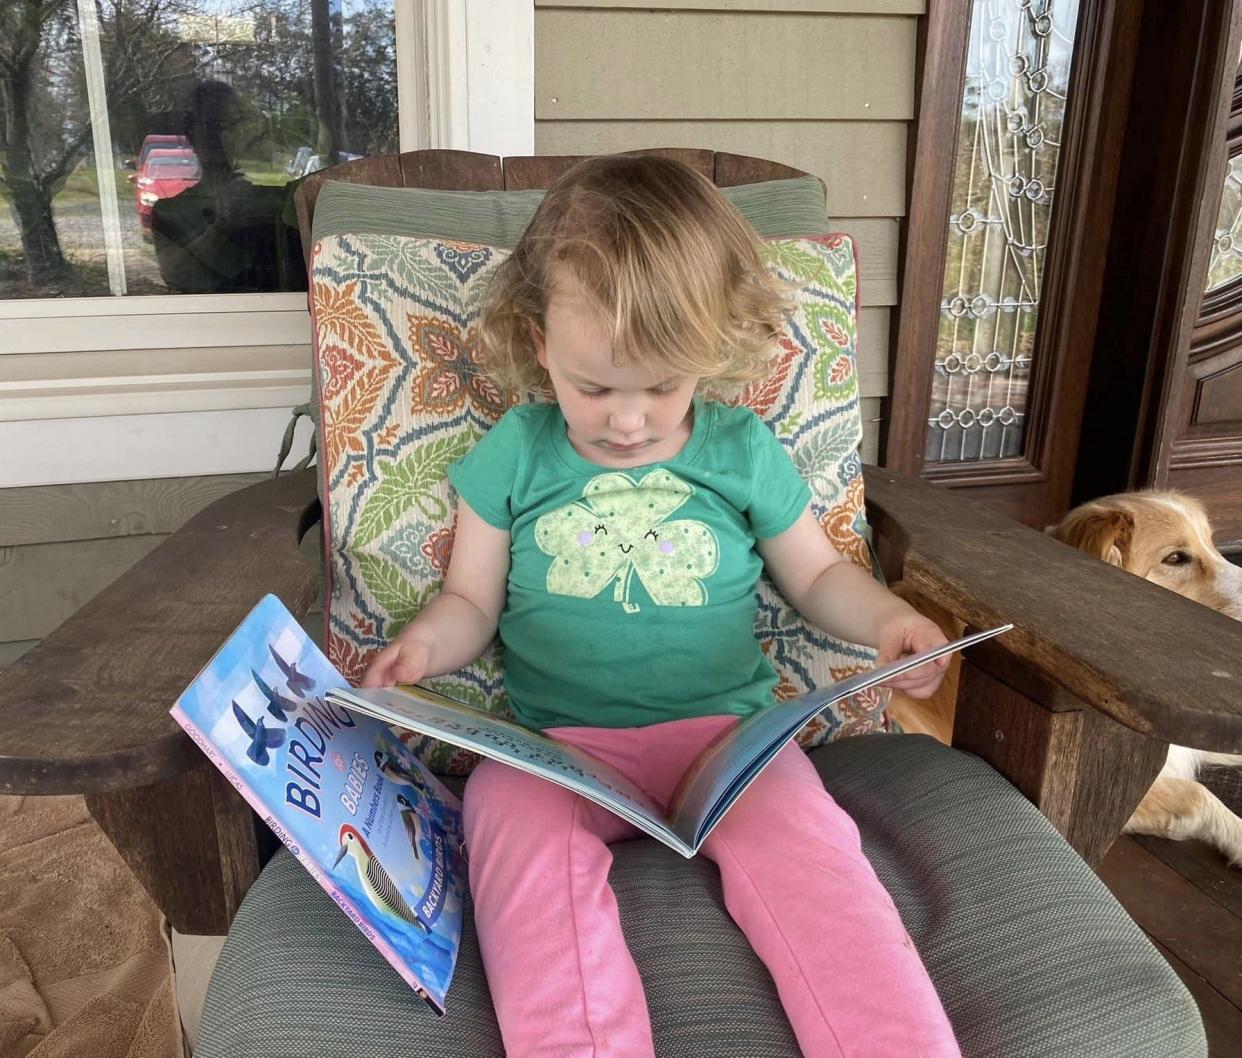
point(166, 172)
point(158, 141)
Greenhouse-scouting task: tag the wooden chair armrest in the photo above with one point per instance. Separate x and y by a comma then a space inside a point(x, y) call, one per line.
point(86, 709)
point(1078, 704)
point(1148, 658)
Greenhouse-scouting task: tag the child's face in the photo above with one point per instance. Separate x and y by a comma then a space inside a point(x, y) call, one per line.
point(617, 414)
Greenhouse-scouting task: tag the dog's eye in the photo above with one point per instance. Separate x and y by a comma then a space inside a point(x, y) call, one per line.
point(1176, 558)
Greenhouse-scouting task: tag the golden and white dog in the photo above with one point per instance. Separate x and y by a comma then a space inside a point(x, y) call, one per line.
point(1165, 538)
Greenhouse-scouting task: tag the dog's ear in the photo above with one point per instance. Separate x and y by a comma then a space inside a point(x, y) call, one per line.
point(1104, 532)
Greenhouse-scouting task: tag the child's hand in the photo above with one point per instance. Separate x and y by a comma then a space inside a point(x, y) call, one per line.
point(399, 662)
point(912, 634)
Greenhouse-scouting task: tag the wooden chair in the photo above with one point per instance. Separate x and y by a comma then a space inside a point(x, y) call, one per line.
point(1075, 707)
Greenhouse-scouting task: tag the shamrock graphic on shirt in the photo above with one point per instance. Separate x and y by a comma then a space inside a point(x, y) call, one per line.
point(618, 531)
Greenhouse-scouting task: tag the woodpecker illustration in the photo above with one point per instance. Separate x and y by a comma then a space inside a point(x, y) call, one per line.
point(378, 886)
point(261, 740)
point(412, 823)
point(297, 682)
point(277, 704)
point(397, 772)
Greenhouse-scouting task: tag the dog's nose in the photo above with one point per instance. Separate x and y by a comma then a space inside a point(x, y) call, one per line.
point(1229, 585)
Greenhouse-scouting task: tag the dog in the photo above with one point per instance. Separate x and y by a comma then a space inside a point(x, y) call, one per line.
point(1165, 537)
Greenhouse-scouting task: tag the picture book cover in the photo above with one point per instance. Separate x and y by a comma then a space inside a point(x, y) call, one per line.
point(377, 831)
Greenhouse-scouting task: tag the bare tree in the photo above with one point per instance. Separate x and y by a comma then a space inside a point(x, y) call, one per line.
point(44, 114)
point(320, 78)
point(33, 163)
point(325, 34)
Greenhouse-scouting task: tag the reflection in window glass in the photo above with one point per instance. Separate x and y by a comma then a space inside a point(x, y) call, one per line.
point(1226, 262)
point(214, 110)
point(1013, 105)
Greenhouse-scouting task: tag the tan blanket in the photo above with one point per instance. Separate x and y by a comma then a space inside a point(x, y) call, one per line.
point(85, 967)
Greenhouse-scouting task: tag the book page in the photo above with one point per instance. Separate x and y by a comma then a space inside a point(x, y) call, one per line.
point(492, 736)
point(731, 762)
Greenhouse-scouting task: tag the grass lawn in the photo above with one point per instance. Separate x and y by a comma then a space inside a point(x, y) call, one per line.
point(83, 183)
point(78, 223)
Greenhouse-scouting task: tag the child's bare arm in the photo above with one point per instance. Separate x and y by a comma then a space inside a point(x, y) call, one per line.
point(456, 626)
point(845, 601)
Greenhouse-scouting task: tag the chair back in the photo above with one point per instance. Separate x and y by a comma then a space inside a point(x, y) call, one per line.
point(397, 271)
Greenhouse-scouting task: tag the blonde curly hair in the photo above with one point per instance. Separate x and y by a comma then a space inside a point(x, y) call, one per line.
point(669, 264)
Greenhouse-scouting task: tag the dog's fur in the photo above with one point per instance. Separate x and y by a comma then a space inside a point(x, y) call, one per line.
point(1165, 538)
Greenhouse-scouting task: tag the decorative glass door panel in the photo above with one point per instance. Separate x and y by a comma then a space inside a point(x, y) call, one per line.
point(1226, 260)
point(1009, 142)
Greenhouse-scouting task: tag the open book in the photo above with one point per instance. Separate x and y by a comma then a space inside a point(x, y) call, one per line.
point(715, 779)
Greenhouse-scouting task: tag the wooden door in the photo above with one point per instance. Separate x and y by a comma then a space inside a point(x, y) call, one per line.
point(1166, 379)
point(1198, 440)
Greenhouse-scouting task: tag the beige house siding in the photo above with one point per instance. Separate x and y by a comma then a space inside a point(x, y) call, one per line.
point(60, 545)
point(826, 86)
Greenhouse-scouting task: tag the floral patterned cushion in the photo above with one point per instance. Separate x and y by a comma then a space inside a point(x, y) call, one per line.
point(401, 397)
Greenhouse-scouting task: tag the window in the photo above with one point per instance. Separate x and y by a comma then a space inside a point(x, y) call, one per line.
point(160, 383)
point(152, 146)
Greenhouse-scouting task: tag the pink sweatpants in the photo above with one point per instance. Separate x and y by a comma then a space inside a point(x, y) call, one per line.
point(795, 880)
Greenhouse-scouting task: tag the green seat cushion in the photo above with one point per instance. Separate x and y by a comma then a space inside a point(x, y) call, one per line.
point(1031, 955)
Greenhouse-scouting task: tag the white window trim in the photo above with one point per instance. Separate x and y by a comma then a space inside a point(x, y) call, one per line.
point(465, 77)
point(141, 447)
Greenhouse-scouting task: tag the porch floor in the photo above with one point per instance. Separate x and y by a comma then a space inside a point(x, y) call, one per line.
point(1189, 902)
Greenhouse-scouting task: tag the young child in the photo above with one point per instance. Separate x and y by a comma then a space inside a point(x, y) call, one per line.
point(614, 533)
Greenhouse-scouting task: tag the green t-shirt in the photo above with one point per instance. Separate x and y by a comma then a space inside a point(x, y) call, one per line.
point(631, 594)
